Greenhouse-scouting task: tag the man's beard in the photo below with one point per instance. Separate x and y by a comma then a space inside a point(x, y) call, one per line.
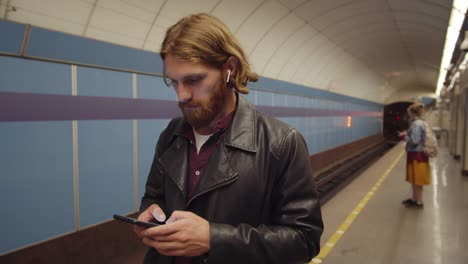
point(206, 110)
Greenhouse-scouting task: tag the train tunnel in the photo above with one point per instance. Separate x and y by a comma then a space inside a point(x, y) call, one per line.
point(395, 120)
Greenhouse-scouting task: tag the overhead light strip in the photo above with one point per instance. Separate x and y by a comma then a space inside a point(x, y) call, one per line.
point(453, 31)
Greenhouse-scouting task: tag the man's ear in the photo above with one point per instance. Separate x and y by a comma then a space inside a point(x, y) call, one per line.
point(231, 65)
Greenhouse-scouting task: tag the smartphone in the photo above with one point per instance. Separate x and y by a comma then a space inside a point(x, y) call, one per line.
point(135, 221)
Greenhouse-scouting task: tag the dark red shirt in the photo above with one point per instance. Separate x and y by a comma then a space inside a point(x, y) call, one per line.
point(198, 162)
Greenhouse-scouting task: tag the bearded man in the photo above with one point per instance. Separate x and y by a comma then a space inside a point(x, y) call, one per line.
point(232, 184)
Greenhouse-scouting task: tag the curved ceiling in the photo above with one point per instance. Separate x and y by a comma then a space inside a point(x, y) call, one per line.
point(379, 50)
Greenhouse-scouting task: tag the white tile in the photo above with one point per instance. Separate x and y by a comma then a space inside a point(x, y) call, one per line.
point(47, 22)
point(317, 8)
point(2, 10)
point(112, 37)
point(118, 23)
point(264, 17)
point(152, 6)
point(130, 9)
point(292, 46)
point(293, 4)
point(70, 11)
point(277, 36)
point(234, 13)
point(177, 9)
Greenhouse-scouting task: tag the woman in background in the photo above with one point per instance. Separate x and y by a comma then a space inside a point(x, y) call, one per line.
point(417, 163)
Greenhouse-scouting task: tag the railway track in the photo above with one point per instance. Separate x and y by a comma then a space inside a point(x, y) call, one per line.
point(333, 180)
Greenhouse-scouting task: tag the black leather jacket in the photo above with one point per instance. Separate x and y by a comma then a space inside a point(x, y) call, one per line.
point(257, 192)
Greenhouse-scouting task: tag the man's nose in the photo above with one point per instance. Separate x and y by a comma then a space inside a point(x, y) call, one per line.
point(184, 93)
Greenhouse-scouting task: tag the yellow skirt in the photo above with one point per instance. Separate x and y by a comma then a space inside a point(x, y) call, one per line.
point(418, 172)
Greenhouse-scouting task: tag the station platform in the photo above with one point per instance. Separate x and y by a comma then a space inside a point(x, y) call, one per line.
point(367, 223)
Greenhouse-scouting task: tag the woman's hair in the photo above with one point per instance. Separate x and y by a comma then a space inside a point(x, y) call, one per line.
point(202, 38)
point(417, 109)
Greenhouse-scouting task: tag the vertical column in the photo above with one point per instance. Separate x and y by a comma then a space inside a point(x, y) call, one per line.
point(465, 132)
point(135, 147)
point(453, 122)
point(445, 121)
point(75, 154)
point(440, 102)
point(460, 122)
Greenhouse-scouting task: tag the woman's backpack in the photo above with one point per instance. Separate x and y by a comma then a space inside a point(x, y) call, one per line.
point(430, 142)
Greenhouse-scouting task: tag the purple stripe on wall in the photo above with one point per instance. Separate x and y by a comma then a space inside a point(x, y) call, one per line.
point(278, 111)
point(42, 107)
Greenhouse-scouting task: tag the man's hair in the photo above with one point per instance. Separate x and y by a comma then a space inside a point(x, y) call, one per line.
point(417, 109)
point(202, 38)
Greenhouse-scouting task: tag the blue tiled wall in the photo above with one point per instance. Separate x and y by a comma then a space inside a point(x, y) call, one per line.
point(37, 157)
point(105, 152)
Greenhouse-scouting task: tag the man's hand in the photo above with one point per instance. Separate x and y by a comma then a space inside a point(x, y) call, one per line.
point(184, 234)
point(151, 213)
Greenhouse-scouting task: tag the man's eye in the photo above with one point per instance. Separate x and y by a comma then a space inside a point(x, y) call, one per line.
point(194, 80)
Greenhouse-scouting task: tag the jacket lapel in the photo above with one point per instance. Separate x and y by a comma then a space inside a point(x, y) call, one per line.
point(175, 163)
point(241, 135)
point(220, 171)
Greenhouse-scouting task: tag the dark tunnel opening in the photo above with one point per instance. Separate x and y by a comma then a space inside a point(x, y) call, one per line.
point(395, 120)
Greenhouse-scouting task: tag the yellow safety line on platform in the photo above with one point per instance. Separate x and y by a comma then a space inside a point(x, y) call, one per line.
point(325, 250)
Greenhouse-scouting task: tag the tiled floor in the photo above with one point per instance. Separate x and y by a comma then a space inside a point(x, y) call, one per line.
point(384, 231)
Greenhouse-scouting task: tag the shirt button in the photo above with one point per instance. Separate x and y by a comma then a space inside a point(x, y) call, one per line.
point(197, 173)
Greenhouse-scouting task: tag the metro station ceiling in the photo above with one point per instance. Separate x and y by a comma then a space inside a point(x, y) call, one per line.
point(379, 50)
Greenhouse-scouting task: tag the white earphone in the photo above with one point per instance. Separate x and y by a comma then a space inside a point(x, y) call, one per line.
point(229, 76)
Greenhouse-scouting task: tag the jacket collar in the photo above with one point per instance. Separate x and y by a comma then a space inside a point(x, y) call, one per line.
point(244, 125)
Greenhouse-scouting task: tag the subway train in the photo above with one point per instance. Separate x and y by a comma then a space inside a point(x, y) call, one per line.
point(395, 120)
